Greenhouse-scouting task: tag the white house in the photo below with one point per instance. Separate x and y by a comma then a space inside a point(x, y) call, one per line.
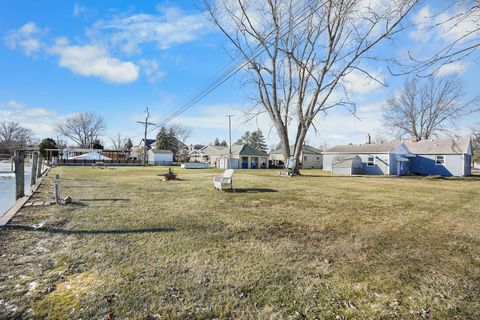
point(160, 157)
point(381, 158)
point(310, 157)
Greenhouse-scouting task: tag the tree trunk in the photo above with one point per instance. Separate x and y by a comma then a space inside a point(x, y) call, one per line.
point(298, 149)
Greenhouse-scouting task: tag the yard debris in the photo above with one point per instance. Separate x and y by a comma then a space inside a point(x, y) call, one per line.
point(67, 200)
point(168, 176)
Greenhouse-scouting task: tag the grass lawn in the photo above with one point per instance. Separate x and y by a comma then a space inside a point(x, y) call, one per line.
point(316, 246)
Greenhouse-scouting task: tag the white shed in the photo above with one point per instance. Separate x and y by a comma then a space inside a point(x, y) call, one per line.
point(160, 157)
point(347, 165)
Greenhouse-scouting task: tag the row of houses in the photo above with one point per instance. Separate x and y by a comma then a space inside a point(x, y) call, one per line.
point(446, 157)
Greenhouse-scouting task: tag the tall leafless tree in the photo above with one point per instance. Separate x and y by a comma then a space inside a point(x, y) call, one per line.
point(83, 128)
point(119, 142)
point(458, 23)
point(427, 107)
point(13, 136)
point(299, 52)
point(476, 143)
point(182, 132)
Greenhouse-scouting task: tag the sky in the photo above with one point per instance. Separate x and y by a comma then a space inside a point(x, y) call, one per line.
point(116, 58)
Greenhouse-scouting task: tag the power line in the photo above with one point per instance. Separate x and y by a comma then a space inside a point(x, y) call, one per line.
point(235, 66)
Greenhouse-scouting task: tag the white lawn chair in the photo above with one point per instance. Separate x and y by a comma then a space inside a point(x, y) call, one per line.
point(225, 180)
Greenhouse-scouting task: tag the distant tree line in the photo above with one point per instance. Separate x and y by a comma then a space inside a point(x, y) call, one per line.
point(13, 136)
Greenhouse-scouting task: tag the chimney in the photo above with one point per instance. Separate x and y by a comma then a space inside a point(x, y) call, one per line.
point(368, 139)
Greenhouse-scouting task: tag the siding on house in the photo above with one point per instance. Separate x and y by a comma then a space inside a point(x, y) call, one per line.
point(310, 157)
point(425, 164)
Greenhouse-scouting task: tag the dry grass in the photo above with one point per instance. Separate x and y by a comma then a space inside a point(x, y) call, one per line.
point(313, 246)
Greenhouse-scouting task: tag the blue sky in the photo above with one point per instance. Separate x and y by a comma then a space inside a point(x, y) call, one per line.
point(117, 57)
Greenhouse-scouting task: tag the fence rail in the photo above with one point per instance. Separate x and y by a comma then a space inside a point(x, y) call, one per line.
point(75, 162)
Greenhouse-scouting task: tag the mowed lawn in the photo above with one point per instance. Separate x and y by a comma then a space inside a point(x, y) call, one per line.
point(315, 246)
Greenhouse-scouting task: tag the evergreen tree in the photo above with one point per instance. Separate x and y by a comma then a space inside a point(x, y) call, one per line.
point(246, 139)
point(257, 140)
point(216, 142)
point(97, 144)
point(224, 143)
point(172, 141)
point(48, 143)
point(129, 144)
point(161, 142)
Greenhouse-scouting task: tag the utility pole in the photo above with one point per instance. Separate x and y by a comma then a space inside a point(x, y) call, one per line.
point(229, 139)
point(146, 123)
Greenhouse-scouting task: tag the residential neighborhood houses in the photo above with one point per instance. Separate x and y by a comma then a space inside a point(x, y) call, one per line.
point(441, 156)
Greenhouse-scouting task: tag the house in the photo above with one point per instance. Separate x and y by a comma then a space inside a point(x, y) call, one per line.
point(160, 157)
point(347, 165)
point(212, 154)
point(195, 154)
point(445, 157)
point(380, 158)
point(137, 151)
point(243, 157)
point(310, 157)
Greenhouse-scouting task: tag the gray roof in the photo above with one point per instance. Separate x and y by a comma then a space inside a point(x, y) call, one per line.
point(237, 149)
point(160, 151)
point(365, 148)
point(305, 149)
point(245, 149)
point(343, 162)
point(439, 146)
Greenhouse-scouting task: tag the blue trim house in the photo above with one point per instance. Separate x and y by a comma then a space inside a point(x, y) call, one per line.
point(377, 158)
point(446, 157)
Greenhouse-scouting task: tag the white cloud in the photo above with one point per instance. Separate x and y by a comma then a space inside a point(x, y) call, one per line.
point(359, 82)
point(169, 28)
point(152, 70)
point(40, 120)
point(27, 38)
point(451, 68)
point(94, 61)
point(78, 9)
point(422, 21)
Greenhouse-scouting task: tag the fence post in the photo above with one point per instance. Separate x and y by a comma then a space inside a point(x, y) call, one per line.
point(19, 174)
point(39, 165)
point(33, 175)
point(56, 189)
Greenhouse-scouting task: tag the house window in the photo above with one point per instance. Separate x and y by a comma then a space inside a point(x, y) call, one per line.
point(440, 160)
point(371, 161)
point(304, 158)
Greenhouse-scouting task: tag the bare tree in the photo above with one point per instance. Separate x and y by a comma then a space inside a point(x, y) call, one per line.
point(476, 143)
point(13, 136)
point(182, 132)
point(298, 53)
point(83, 128)
point(458, 23)
point(119, 142)
point(427, 107)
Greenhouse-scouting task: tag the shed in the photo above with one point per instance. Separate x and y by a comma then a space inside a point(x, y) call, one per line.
point(347, 165)
point(160, 157)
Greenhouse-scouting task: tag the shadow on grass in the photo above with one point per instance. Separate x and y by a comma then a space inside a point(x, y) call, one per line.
point(87, 232)
point(253, 190)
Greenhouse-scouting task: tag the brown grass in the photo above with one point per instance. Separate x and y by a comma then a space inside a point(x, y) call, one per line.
point(314, 246)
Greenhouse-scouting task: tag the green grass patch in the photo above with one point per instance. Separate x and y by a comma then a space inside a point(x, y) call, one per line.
point(318, 245)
